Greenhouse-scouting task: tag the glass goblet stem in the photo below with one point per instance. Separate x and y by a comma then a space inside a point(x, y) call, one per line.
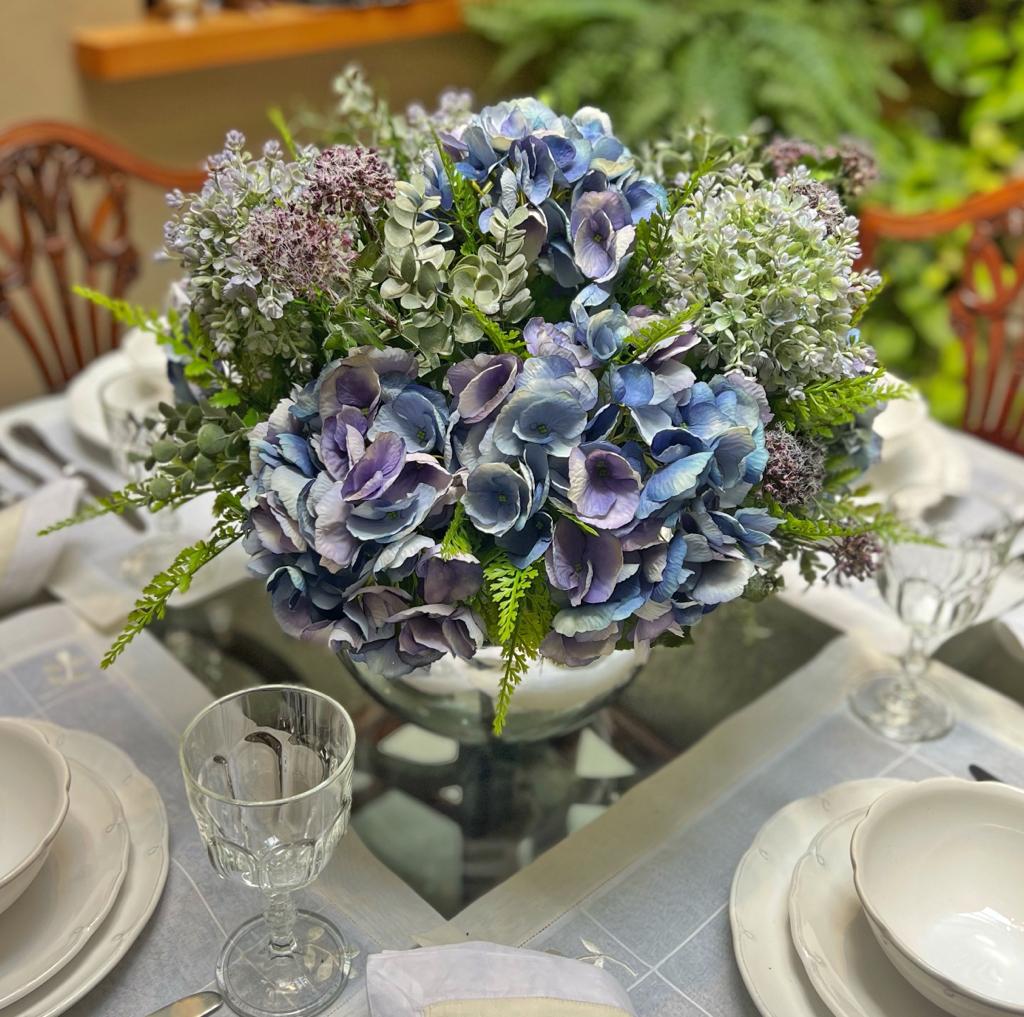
point(914, 661)
point(279, 911)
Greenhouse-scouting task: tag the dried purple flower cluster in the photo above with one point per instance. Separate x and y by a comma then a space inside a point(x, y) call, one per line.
point(857, 166)
point(855, 557)
point(822, 200)
point(300, 250)
point(795, 471)
point(782, 154)
point(349, 179)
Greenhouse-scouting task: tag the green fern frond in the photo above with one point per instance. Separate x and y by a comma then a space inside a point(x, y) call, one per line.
point(830, 404)
point(520, 617)
point(131, 315)
point(456, 539)
point(465, 202)
point(845, 517)
point(645, 339)
point(132, 496)
point(504, 342)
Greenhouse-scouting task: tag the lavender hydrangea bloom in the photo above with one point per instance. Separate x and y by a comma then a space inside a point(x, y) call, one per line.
point(481, 385)
point(603, 485)
point(544, 339)
point(418, 415)
point(548, 408)
point(585, 566)
point(602, 231)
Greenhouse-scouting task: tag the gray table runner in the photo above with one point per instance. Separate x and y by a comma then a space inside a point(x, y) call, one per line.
point(662, 926)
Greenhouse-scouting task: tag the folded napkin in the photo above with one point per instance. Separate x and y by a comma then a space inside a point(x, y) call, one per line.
point(27, 560)
point(485, 980)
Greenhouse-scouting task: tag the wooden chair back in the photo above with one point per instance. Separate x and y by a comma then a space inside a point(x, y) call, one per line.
point(64, 219)
point(986, 304)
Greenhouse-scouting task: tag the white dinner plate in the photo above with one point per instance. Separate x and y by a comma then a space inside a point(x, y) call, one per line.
point(73, 892)
point(759, 903)
point(831, 934)
point(146, 820)
point(138, 349)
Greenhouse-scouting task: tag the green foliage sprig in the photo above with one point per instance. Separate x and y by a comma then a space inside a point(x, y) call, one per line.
point(830, 404)
point(518, 611)
point(456, 539)
point(202, 365)
point(644, 278)
point(465, 202)
point(504, 342)
point(645, 339)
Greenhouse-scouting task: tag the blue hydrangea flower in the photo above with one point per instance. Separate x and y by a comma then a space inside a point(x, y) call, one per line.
point(602, 231)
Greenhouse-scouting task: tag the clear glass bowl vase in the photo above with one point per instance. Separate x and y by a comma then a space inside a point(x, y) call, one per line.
point(456, 698)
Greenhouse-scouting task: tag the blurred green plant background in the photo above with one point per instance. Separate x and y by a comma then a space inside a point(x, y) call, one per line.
point(936, 88)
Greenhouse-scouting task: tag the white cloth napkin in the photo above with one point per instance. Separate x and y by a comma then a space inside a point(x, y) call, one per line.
point(26, 559)
point(486, 980)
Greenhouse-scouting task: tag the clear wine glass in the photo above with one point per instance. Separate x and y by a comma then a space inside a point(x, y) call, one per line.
point(938, 587)
point(268, 773)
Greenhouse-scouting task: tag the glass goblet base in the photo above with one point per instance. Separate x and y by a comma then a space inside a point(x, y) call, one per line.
point(258, 982)
point(903, 711)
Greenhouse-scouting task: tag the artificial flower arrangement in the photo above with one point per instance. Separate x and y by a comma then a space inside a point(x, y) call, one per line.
point(472, 378)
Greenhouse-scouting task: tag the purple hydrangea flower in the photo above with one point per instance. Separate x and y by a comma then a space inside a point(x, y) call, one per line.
point(585, 566)
point(604, 486)
point(482, 384)
point(602, 231)
point(497, 495)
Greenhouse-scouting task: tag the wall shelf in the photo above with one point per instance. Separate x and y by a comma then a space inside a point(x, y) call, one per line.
point(153, 46)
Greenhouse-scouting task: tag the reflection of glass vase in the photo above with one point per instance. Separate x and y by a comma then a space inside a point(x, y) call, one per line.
point(130, 404)
point(938, 587)
point(456, 697)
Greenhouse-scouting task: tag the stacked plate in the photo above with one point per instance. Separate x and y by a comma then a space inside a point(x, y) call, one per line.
point(883, 898)
point(83, 859)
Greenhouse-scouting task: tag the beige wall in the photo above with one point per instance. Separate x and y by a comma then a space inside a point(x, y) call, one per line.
point(180, 119)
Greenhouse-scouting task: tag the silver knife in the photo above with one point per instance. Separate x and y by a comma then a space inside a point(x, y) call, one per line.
point(198, 1005)
point(29, 436)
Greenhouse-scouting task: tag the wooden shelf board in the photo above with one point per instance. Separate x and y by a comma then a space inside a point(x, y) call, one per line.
point(153, 46)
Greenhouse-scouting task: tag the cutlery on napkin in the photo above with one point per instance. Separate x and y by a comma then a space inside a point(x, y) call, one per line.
point(198, 1005)
point(32, 438)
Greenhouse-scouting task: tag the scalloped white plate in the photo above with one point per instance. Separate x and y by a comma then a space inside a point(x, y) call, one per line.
point(759, 903)
point(55, 917)
point(146, 821)
point(831, 934)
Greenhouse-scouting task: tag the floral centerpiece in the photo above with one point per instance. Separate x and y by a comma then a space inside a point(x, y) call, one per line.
point(491, 378)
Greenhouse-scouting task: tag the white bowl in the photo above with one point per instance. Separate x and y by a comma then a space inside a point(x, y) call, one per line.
point(939, 869)
point(34, 785)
